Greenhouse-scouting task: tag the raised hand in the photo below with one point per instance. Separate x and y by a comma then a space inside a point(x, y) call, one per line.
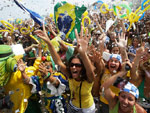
point(122, 40)
point(102, 37)
point(21, 65)
point(42, 68)
point(82, 41)
point(51, 29)
point(94, 55)
point(42, 34)
point(140, 51)
point(90, 52)
point(97, 56)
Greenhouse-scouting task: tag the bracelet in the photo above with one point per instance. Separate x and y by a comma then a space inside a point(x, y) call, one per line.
point(103, 93)
point(48, 75)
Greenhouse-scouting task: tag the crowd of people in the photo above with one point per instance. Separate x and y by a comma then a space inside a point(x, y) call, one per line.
point(103, 70)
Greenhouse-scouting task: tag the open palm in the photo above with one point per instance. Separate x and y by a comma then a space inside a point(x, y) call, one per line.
point(82, 41)
point(122, 41)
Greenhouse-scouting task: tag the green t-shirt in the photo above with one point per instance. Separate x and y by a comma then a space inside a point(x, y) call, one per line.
point(115, 109)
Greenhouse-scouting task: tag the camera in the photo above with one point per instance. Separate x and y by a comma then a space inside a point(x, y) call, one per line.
point(120, 83)
point(127, 67)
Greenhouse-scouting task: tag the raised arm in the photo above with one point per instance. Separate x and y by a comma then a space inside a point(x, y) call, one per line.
point(106, 92)
point(122, 45)
point(82, 44)
point(99, 26)
point(99, 66)
point(97, 59)
point(46, 74)
point(54, 54)
point(22, 67)
point(135, 77)
point(51, 30)
point(123, 26)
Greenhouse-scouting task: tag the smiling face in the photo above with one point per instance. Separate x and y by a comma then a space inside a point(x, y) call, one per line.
point(113, 64)
point(127, 101)
point(115, 50)
point(75, 68)
point(135, 42)
point(113, 36)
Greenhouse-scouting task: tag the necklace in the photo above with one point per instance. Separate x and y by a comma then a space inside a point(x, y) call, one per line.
point(75, 87)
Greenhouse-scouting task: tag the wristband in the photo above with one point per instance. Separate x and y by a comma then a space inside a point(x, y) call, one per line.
point(103, 93)
point(48, 75)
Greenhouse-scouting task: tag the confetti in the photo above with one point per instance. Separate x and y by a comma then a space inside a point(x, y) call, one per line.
point(17, 111)
point(25, 100)
point(11, 92)
point(40, 101)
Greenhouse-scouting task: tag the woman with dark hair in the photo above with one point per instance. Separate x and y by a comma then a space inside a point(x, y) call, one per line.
point(114, 49)
point(83, 71)
point(79, 71)
point(132, 49)
point(125, 102)
point(112, 66)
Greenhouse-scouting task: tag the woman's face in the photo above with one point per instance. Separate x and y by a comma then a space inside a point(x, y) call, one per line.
point(115, 50)
point(135, 42)
point(112, 36)
point(113, 64)
point(127, 101)
point(75, 68)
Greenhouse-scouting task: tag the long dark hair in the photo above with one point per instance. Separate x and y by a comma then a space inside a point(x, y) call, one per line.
point(83, 70)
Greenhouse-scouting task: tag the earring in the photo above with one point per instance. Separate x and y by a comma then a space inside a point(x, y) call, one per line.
point(80, 76)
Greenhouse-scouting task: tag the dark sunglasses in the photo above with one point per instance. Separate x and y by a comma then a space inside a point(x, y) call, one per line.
point(97, 34)
point(75, 64)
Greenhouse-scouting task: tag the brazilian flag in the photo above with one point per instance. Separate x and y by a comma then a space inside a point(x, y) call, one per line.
point(67, 18)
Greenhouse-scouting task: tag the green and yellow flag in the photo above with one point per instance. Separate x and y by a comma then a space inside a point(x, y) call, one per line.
point(67, 18)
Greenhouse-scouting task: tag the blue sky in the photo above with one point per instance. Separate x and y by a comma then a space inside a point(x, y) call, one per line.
point(8, 8)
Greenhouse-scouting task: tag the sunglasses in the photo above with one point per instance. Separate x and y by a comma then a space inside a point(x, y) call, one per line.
point(75, 64)
point(97, 34)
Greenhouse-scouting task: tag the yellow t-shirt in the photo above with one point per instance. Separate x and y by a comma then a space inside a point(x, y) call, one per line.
point(86, 96)
point(21, 91)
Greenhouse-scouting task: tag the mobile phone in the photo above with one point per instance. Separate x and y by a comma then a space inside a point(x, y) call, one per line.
point(120, 83)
